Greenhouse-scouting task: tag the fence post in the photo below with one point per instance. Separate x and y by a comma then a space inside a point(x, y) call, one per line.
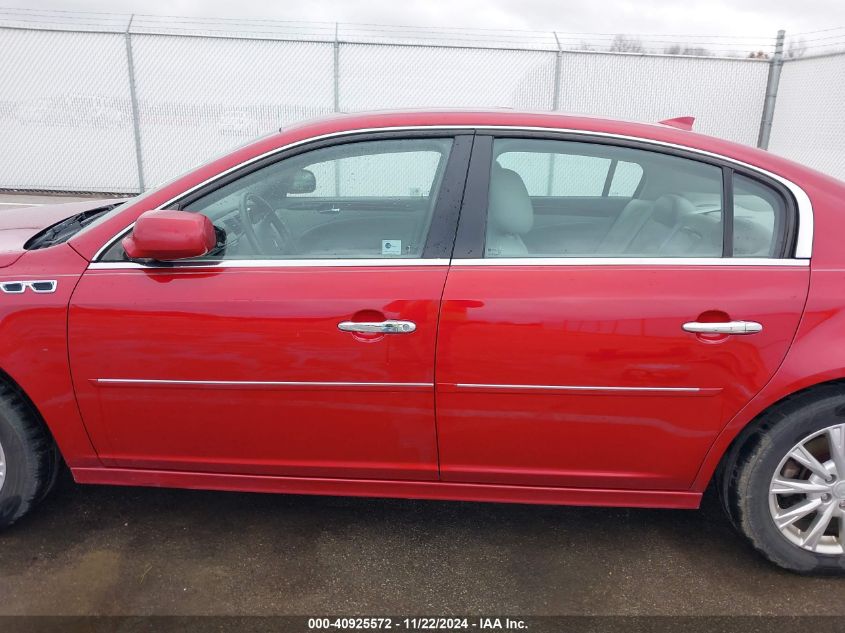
point(772, 83)
point(336, 70)
point(133, 99)
point(555, 107)
point(558, 56)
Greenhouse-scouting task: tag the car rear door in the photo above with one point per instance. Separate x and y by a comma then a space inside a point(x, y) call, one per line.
point(611, 362)
point(302, 351)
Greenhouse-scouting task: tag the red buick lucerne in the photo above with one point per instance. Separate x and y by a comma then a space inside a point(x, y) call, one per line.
point(487, 306)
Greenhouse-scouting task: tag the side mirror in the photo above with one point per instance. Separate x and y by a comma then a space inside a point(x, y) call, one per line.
point(166, 235)
point(303, 181)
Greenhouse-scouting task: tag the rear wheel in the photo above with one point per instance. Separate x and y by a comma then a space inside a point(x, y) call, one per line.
point(28, 457)
point(786, 490)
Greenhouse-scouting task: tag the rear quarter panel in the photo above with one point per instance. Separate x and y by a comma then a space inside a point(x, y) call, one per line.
point(817, 353)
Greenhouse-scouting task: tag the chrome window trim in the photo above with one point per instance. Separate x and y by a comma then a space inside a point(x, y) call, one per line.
point(268, 263)
point(495, 261)
point(803, 243)
point(631, 261)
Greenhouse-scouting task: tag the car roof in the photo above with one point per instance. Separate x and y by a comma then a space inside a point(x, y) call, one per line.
point(810, 182)
point(474, 118)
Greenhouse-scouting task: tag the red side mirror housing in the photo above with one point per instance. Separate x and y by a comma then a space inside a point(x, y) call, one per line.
point(167, 235)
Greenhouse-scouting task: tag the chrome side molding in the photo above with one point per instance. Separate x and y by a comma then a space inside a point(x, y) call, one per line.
point(595, 389)
point(256, 384)
point(404, 386)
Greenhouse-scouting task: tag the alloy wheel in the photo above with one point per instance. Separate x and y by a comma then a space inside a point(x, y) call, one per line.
point(807, 492)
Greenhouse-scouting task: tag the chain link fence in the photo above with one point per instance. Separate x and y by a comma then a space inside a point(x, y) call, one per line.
point(97, 102)
point(808, 124)
point(65, 115)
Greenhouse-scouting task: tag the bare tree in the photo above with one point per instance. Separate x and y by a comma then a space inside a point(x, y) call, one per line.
point(677, 49)
point(624, 44)
point(796, 48)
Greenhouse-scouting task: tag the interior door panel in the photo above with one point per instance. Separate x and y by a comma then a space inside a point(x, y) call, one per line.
point(356, 224)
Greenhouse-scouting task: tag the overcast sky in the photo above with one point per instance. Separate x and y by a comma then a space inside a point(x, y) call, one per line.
point(701, 17)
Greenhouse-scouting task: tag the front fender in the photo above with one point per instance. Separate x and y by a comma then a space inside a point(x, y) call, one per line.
point(33, 345)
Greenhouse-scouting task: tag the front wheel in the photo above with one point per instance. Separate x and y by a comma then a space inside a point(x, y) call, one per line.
point(28, 457)
point(786, 491)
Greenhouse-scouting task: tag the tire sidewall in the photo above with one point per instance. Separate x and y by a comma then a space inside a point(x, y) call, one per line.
point(754, 486)
point(17, 484)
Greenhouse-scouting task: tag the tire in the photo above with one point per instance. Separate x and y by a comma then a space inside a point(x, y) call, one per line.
point(29, 454)
point(812, 422)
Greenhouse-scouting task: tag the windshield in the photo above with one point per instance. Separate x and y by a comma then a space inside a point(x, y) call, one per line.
point(65, 229)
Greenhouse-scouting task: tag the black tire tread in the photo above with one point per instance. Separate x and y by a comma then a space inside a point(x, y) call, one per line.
point(736, 477)
point(41, 454)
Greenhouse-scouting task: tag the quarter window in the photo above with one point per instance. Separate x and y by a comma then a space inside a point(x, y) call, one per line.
point(759, 215)
point(552, 198)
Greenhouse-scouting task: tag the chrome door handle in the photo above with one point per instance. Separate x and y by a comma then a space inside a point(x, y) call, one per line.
point(378, 327)
point(729, 327)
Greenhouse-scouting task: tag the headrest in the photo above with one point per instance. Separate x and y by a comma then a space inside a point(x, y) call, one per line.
point(670, 208)
point(510, 210)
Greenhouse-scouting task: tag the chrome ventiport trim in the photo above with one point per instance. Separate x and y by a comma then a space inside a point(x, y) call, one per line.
point(804, 239)
point(38, 286)
point(256, 384)
point(200, 264)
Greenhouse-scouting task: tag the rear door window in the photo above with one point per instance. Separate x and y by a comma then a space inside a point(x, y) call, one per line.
point(551, 198)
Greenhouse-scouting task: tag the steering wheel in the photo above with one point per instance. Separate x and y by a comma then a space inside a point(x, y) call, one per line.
point(254, 210)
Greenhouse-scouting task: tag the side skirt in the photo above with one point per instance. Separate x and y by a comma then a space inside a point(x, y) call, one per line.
point(438, 490)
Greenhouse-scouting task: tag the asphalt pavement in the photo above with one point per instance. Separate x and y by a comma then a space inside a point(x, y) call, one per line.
point(136, 551)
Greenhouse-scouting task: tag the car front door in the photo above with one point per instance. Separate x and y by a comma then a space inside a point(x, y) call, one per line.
point(608, 353)
point(303, 345)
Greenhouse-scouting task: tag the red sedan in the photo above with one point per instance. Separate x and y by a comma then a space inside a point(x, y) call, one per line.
point(487, 306)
